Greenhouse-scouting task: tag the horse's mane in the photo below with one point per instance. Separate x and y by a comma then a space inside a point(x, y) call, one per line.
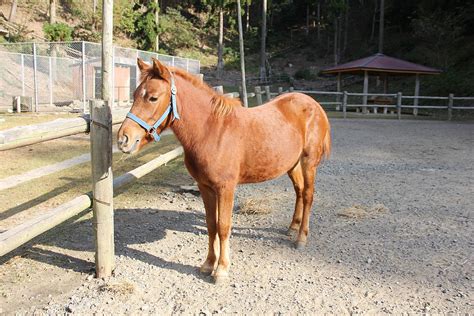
point(221, 104)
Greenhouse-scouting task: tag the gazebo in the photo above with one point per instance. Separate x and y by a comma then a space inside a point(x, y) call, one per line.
point(384, 66)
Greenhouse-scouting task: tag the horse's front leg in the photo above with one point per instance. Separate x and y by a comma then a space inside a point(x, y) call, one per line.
point(210, 204)
point(225, 203)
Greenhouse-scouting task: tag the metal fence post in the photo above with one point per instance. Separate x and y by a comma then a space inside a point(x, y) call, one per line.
point(399, 105)
point(344, 104)
point(50, 82)
point(22, 74)
point(84, 104)
point(112, 93)
point(450, 106)
point(35, 77)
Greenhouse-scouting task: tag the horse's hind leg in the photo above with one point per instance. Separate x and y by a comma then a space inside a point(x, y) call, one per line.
point(309, 162)
point(296, 176)
point(210, 204)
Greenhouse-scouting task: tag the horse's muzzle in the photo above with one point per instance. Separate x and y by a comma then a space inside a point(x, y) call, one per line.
point(126, 145)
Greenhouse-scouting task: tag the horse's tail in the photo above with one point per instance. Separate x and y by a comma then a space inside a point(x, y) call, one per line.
point(327, 143)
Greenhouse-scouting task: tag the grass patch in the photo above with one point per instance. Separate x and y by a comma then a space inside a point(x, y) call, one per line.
point(21, 119)
point(120, 288)
point(34, 197)
point(254, 206)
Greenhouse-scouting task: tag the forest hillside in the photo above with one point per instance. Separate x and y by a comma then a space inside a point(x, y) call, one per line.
point(302, 37)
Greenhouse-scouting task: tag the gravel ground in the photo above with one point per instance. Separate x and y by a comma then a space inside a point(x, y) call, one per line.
point(391, 232)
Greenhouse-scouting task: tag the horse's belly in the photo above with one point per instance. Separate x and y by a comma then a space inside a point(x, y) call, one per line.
point(269, 162)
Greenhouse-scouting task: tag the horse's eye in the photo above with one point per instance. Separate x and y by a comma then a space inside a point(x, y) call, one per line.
point(153, 99)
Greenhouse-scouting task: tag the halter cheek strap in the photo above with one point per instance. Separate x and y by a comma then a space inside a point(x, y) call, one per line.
point(151, 129)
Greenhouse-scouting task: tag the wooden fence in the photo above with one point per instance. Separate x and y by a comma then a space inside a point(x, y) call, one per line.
point(395, 100)
point(99, 124)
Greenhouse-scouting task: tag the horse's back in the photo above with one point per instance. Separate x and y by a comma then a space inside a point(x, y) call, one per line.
point(276, 134)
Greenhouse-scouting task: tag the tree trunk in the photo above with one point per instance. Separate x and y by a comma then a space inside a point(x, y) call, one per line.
point(307, 20)
point(319, 21)
point(52, 11)
point(157, 24)
point(220, 48)
point(374, 19)
point(242, 57)
point(336, 40)
point(11, 17)
point(263, 57)
point(94, 19)
point(247, 16)
point(346, 27)
point(381, 24)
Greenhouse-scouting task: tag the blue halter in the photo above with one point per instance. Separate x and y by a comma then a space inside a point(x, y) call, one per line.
point(151, 129)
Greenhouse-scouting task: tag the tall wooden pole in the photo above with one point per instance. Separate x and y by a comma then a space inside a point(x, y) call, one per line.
point(220, 47)
point(263, 56)
point(157, 23)
point(101, 154)
point(242, 57)
point(381, 24)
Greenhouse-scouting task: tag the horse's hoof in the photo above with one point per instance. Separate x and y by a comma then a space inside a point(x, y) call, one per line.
point(300, 245)
point(291, 232)
point(206, 269)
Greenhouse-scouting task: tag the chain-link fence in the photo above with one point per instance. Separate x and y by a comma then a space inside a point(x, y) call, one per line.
point(64, 75)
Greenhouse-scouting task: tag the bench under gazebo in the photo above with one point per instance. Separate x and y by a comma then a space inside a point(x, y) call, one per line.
point(382, 66)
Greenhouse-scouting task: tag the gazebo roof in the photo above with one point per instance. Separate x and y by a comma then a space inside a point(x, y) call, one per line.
point(383, 64)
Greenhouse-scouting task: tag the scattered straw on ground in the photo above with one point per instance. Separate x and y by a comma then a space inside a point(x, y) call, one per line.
point(122, 288)
point(360, 211)
point(254, 206)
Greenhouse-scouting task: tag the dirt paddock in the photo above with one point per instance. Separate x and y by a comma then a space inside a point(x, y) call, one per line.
point(391, 232)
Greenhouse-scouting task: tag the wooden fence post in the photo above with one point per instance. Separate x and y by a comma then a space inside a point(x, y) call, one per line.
point(399, 105)
point(268, 93)
point(258, 95)
point(102, 186)
point(344, 104)
point(450, 106)
point(219, 89)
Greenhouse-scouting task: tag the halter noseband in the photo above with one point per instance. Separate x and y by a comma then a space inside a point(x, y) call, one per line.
point(151, 129)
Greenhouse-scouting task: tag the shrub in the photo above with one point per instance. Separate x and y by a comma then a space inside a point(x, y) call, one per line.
point(305, 74)
point(57, 32)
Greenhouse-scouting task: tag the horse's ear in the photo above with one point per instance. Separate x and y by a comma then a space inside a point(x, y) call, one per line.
point(161, 70)
point(143, 66)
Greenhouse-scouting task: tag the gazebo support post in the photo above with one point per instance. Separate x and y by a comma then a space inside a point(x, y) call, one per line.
point(366, 90)
point(338, 97)
point(417, 93)
point(385, 89)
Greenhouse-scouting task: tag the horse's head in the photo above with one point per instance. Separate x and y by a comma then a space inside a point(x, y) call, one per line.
point(151, 102)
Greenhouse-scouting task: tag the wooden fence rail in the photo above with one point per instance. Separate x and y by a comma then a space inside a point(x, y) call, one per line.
point(33, 134)
point(398, 98)
point(19, 235)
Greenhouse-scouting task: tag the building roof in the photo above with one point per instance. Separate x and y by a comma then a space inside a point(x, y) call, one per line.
point(381, 63)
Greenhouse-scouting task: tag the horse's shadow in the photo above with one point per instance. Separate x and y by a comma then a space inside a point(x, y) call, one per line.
point(132, 227)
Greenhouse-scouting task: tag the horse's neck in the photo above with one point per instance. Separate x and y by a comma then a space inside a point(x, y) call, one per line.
point(194, 107)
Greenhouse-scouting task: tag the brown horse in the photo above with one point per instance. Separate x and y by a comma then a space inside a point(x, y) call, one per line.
point(226, 144)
